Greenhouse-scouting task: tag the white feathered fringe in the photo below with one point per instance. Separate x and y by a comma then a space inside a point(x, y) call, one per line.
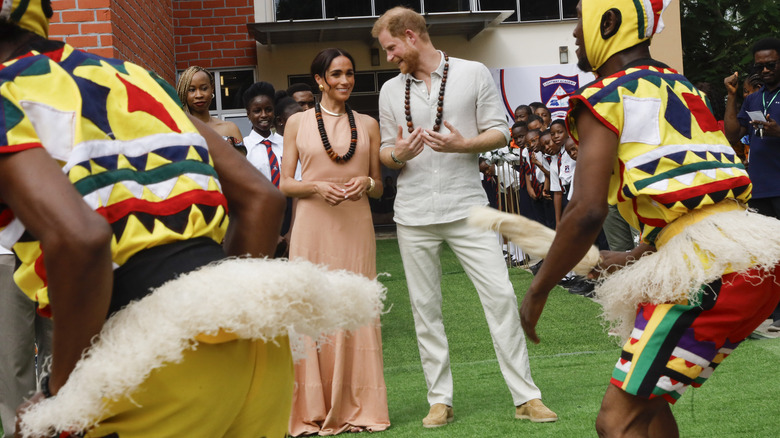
point(732, 241)
point(253, 298)
point(533, 237)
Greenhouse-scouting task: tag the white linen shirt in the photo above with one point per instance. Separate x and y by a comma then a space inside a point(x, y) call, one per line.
point(257, 154)
point(566, 173)
point(436, 187)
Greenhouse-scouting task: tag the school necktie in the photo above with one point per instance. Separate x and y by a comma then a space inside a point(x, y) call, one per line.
point(275, 175)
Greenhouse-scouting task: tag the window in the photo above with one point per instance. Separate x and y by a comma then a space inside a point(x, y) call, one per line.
point(380, 6)
point(231, 86)
point(298, 9)
point(533, 10)
point(524, 10)
point(347, 8)
point(446, 5)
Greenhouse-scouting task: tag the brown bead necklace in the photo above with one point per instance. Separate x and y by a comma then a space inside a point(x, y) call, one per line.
point(341, 159)
point(439, 109)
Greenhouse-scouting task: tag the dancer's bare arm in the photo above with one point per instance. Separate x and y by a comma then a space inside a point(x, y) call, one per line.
point(582, 219)
point(76, 246)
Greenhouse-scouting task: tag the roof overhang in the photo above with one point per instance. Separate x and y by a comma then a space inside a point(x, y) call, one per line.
point(468, 24)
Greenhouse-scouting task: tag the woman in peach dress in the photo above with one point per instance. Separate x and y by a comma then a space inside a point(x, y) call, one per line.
point(340, 387)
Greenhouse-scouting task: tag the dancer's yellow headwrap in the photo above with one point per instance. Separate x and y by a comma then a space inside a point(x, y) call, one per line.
point(640, 20)
point(27, 14)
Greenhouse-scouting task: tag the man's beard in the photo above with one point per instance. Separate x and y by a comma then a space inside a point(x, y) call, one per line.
point(410, 62)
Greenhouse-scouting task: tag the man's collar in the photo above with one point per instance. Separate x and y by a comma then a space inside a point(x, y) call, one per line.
point(439, 69)
point(766, 89)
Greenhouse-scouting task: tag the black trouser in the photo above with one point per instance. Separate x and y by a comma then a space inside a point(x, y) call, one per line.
point(768, 207)
point(152, 267)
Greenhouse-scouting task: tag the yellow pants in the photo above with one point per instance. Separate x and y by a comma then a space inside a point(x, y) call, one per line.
point(234, 389)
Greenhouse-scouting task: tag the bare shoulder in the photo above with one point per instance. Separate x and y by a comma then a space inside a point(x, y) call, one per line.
point(369, 121)
point(225, 128)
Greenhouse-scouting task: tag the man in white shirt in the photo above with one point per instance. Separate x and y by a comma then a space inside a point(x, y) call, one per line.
point(438, 183)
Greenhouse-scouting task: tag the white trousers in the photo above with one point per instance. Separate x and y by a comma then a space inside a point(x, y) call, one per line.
point(20, 329)
point(481, 257)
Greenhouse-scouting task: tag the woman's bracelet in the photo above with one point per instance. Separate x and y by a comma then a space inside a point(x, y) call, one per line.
point(371, 184)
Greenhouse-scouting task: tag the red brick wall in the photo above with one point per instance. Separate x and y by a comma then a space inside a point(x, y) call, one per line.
point(143, 34)
point(213, 33)
point(139, 31)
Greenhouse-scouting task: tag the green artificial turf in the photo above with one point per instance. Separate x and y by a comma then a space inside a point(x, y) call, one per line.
point(571, 366)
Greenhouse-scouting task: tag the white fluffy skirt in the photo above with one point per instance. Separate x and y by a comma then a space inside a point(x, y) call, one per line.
point(253, 298)
point(732, 241)
point(533, 237)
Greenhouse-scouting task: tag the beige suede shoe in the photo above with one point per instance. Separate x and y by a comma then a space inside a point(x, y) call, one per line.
point(439, 415)
point(535, 411)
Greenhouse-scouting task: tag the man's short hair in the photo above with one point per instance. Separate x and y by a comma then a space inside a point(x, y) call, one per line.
point(520, 124)
point(767, 44)
point(397, 20)
point(298, 87)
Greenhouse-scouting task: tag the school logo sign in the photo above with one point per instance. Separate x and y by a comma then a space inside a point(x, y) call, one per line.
point(555, 93)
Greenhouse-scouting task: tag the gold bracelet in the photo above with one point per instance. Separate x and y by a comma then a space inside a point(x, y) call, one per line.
point(371, 184)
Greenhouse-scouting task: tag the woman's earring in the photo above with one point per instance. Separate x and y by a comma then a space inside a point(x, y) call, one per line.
point(322, 88)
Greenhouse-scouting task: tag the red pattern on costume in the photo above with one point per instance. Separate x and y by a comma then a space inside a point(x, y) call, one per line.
point(168, 207)
point(701, 112)
point(704, 189)
point(140, 100)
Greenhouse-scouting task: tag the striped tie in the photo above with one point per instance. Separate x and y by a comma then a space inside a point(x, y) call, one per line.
point(275, 175)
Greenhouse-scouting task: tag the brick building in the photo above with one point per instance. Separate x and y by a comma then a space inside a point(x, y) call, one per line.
point(162, 35)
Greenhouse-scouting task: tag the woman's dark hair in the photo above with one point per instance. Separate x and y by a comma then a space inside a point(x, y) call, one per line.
point(258, 89)
point(321, 62)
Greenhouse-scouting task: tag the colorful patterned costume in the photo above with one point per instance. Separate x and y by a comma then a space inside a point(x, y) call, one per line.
point(124, 143)
point(120, 135)
point(683, 308)
point(672, 156)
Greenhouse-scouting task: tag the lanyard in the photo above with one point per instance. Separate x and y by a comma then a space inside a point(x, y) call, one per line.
point(766, 105)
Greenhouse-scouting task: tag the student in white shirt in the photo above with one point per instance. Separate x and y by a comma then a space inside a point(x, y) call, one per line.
point(259, 103)
point(561, 167)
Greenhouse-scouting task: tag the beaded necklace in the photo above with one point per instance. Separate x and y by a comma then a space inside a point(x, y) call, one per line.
point(440, 107)
point(341, 159)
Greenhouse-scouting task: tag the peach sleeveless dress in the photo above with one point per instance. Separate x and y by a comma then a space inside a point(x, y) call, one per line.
point(340, 387)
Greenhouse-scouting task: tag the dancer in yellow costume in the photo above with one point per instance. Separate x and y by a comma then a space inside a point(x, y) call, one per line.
point(133, 197)
point(696, 286)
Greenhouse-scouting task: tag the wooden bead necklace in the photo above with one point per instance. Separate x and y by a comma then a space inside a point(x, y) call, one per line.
point(341, 159)
point(440, 107)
